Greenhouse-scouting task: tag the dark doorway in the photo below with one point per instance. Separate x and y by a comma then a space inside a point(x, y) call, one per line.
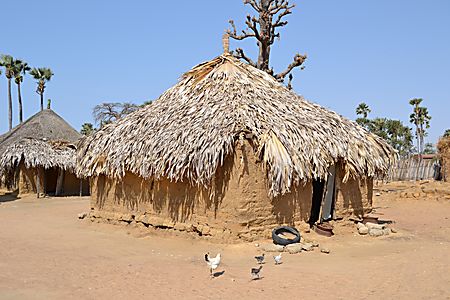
point(50, 180)
point(317, 196)
point(323, 198)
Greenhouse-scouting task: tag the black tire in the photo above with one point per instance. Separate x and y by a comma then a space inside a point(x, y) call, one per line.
point(284, 242)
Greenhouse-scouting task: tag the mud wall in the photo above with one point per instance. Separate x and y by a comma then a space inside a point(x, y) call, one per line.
point(236, 207)
point(353, 197)
point(72, 185)
point(27, 180)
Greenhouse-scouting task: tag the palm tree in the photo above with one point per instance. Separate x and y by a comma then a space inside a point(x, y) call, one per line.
point(42, 75)
point(421, 119)
point(20, 68)
point(363, 109)
point(7, 61)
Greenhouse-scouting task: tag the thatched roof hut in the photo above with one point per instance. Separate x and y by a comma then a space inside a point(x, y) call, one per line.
point(187, 134)
point(44, 142)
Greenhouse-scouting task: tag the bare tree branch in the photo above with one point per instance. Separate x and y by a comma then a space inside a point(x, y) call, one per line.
point(105, 113)
point(264, 27)
point(233, 34)
point(284, 4)
point(298, 61)
point(241, 55)
point(252, 22)
point(253, 4)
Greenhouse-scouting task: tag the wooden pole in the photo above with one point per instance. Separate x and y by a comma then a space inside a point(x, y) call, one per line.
point(59, 182)
point(38, 183)
point(44, 179)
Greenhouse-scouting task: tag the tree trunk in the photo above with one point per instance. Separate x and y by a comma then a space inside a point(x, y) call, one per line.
point(264, 44)
point(42, 101)
point(9, 105)
point(19, 95)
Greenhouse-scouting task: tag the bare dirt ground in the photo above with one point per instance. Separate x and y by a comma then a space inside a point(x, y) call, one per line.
point(47, 253)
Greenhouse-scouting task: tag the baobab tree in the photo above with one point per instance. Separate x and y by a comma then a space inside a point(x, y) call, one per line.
point(108, 112)
point(264, 28)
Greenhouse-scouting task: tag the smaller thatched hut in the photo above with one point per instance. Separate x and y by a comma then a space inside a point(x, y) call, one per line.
point(38, 156)
point(444, 155)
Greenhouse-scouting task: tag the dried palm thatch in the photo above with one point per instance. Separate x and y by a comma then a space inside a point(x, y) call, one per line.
point(38, 153)
point(443, 147)
point(188, 131)
point(44, 140)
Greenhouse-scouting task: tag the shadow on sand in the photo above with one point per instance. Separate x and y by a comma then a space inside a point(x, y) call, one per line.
point(218, 274)
point(9, 196)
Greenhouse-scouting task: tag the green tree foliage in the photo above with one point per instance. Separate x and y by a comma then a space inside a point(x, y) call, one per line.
point(421, 120)
point(363, 110)
point(42, 76)
point(429, 149)
point(87, 129)
point(146, 103)
point(393, 131)
point(447, 133)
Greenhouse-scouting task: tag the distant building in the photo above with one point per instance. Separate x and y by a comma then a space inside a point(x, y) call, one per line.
point(38, 156)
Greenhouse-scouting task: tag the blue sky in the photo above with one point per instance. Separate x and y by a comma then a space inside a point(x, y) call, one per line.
point(382, 52)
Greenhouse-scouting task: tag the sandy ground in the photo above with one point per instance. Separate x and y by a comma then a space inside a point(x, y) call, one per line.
point(47, 253)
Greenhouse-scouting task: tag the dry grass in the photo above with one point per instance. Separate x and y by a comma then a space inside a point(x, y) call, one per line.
point(35, 153)
point(443, 147)
point(193, 126)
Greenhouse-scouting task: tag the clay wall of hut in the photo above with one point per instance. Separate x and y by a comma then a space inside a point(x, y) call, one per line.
point(28, 176)
point(237, 207)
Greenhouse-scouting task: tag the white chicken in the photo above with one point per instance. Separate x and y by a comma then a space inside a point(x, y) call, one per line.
point(277, 259)
point(212, 263)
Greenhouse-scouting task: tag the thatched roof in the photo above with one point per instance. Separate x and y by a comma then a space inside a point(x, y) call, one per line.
point(45, 140)
point(38, 153)
point(188, 131)
point(443, 146)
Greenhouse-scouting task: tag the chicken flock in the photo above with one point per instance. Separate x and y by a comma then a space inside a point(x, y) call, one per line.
point(214, 262)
